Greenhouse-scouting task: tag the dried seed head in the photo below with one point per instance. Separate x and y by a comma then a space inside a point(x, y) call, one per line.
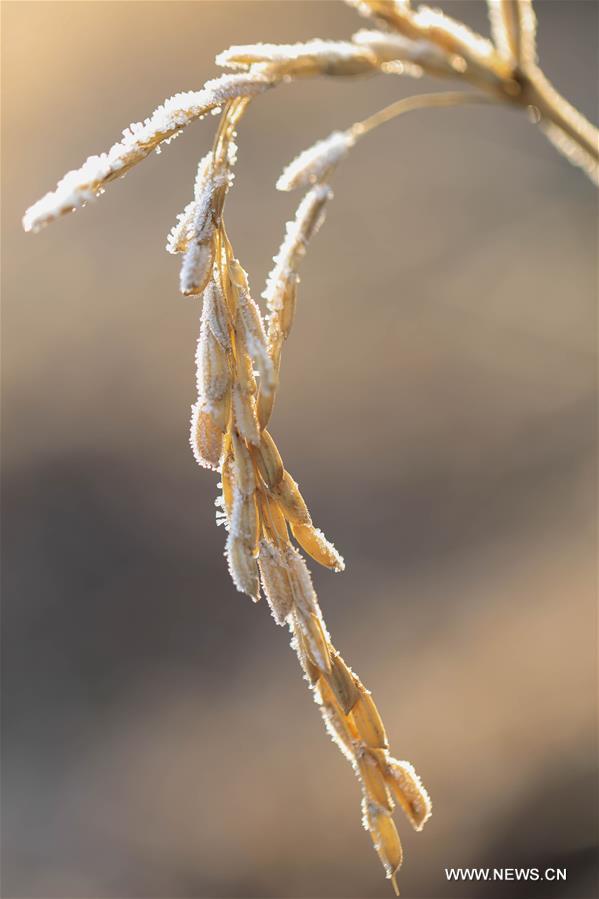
point(242, 567)
point(311, 671)
point(228, 482)
point(249, 325)
point(206, 203)
point(245, 369)
point(266, 402)
point(308, 218)
point(275, 580)
point(243, 466)
point(316, 642)
point(268, 460)
point(273, 520)
point(230, 291)
point(244, 520)
point(301, 583)
point(220, 410)
point(213, 374)
point(251, 329)
point(316, 57)
point(244, 412)
point(343, 684)
point(206, 438)
point(314, 542)
point(386, 840)
point(287, 312)
point(368, 721)
point(374, 783)
point(181, 232)
point(338, 732)
point(291, 501)
point(238, 276)
point(178, 236)
point(407, 788)
point(80, 186)
point(196, 267)
point(215, 313)
point(317, 162)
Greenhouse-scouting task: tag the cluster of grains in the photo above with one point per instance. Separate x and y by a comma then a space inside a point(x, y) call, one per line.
point(238, 354)
point(238, 361)
point(348, 710)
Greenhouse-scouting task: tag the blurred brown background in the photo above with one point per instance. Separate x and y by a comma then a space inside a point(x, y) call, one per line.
point(437, 408)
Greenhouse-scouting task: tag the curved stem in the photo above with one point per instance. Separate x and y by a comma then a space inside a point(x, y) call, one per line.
point(420, 101)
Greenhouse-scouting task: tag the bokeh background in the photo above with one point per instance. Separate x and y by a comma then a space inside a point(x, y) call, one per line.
point(437, 407)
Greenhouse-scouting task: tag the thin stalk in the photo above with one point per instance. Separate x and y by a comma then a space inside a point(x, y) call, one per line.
point(539, 92)
point(419, 101)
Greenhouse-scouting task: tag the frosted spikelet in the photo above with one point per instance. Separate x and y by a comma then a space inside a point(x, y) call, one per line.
point(275, 581)
point(216, 314)
point(206, 437)
point(196, 223)
point(314, 542)
point(251, 331)
point(317, 161)
point(196, 267)
point(242, 567)
point(212, 366)
point(177, 239)
point(308, 218)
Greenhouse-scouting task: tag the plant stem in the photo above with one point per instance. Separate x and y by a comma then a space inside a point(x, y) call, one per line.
point(538, 92)
point(420, 101)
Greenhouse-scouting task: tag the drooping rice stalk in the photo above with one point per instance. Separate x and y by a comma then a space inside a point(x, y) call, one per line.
point(238, 355)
